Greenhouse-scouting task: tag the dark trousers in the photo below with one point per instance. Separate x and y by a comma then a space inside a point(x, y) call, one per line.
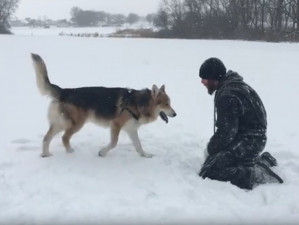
point(244, 173)
point(236, 162)
point(224, 166)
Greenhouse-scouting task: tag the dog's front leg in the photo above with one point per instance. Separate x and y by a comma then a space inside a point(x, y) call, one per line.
point(137, 144)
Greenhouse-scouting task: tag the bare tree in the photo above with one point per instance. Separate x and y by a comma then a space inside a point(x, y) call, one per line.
point(176, 12)
point(279, 15)
point(7, 8)
point(194, 17)
point(84, 17)
point(263, 16)
point(161, 19)
point(292, 10)
point(133, 18)
point(150, 17)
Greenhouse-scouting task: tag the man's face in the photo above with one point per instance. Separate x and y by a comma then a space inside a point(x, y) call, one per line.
point(211, 85)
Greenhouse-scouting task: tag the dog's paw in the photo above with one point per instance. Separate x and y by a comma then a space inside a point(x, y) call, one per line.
point(44, 155)
point(147, 155)
point(102, 153)
point(70, 150)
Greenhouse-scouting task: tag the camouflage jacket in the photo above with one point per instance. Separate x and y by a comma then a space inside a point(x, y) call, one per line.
point(240, 119)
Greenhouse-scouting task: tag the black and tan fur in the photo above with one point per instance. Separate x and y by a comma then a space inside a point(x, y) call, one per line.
point(117, 108)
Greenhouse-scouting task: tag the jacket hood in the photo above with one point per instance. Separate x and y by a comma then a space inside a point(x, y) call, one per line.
point(230, 77)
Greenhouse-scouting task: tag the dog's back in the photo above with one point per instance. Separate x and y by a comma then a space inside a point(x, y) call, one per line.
point(103, 101)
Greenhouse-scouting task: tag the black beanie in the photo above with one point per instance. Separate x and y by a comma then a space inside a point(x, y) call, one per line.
point(212, 69)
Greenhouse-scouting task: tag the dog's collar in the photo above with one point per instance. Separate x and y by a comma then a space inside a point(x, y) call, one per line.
point(132, 113)
point(125, 103)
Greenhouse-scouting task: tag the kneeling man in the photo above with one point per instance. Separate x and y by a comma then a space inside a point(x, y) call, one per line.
point(235, 149)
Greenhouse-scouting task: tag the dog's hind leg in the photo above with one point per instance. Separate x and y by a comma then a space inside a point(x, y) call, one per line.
point(115, 129)
point(66, 139)
point(69, 133)
point(137, 144)
point(53, 130)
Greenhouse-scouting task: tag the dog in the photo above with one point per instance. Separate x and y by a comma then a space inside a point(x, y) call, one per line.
point(117, 108)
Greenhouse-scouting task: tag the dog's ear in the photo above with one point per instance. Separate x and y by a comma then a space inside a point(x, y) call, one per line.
point(155, 91)
point(162, 88)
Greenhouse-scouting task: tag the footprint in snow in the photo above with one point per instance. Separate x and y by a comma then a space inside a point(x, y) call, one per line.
point(20, 141)
point(5, 165)
point(28, 148)
point(152, 195)
point(24, 145)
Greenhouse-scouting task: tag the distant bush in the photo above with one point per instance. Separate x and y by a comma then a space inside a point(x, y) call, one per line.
point(144, 33)
point(125, 33)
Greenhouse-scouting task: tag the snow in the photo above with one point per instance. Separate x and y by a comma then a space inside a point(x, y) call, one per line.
point(124, 188)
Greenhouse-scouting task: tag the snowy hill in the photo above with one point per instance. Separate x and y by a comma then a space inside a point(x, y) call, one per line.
point(123, 188)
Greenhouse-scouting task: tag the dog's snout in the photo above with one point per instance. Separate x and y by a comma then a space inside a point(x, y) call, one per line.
point(172, 113)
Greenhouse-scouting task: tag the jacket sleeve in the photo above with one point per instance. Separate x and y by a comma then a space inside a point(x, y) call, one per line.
point(228, 110)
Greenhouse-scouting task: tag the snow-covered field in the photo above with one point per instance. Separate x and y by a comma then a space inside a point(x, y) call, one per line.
point(123, 188)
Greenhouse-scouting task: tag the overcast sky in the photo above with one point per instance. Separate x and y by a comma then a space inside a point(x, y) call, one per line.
point(60, 9)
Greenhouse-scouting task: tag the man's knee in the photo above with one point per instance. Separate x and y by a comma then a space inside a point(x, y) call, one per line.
point(214, 164)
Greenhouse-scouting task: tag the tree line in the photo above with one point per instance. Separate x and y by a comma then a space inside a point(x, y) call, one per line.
point(82, 18)
point(271, 20)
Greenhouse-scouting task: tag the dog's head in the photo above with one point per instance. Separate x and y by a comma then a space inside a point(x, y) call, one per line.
point(162, 102)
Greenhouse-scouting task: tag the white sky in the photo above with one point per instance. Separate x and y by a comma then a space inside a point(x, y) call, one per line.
point(60, 9)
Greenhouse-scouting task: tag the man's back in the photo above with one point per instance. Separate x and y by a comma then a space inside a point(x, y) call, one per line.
point(251, 111)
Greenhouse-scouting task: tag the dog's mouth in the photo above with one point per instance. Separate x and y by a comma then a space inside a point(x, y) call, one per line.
point(163, 116)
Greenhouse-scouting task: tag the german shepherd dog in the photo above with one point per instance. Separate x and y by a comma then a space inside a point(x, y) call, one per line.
point(117, 108)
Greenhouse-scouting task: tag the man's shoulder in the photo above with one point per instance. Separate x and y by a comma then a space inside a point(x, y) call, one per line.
point(227, 93)
point(234, 89)
point(228, 99)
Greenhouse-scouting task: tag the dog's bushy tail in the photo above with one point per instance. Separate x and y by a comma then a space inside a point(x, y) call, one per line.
point(43, 83)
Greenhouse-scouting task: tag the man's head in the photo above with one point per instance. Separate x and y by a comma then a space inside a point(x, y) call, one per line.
point(211, 72)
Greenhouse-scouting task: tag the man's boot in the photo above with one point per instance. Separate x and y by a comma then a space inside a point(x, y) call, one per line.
point(267, 159)
point(263, 175)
